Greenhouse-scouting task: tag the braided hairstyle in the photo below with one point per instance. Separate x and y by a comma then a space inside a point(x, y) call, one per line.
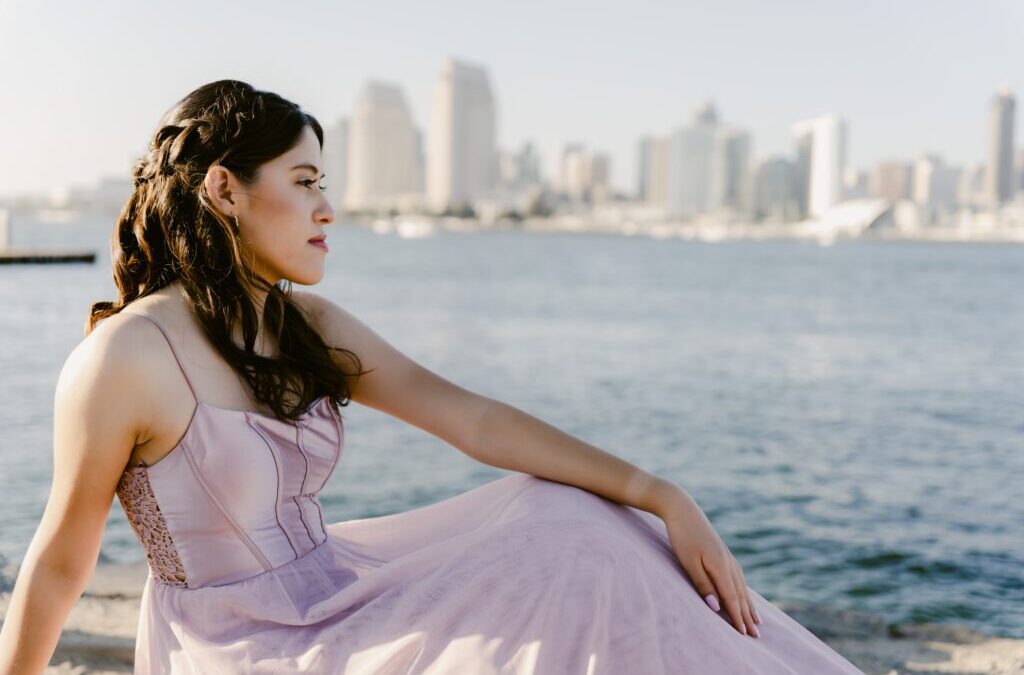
point(169, 231)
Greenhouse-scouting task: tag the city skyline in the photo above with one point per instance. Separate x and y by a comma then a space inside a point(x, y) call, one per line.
point(532, 102)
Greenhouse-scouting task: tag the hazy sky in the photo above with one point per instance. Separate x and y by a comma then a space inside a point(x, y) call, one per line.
point(83, 84)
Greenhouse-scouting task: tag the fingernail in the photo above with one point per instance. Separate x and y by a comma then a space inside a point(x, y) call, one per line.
point(712, 602)
point(757, 617)
point(743, 629)
point(753, 631)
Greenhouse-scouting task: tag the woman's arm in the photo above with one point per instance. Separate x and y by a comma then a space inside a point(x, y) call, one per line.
point(511, 439)
point(97, 411)
point(503, 436)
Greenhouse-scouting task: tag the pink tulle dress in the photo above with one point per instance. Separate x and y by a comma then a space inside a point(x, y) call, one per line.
point(520, 575)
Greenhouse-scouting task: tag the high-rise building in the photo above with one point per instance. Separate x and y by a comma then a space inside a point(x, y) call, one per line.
point(971, 186)
point(335, 155)
point(691, 163)
point(821, 162)
point(1019, 162)
point(572, 170)
point(584, 175)
point(934, 190)
point(654, 159)
point(381, 148)
point(462, 160)
point(643, 166)
point(891, 181)
point(804, 145)
point(420, 161)
point(1001, 184)
point(730, 179)
point(708, 167)
point(855, 183)
point(518, 170)
point(774, 193)
point(934, 183)
point(600, 170)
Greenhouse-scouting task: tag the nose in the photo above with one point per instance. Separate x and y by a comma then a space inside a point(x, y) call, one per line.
point(325, 214)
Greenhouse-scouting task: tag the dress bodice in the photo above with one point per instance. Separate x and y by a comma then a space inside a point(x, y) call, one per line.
point(237, 496)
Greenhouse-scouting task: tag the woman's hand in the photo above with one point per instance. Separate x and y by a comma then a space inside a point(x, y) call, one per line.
point(706, 559)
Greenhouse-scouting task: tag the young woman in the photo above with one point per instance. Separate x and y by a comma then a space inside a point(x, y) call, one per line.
point(207, 399)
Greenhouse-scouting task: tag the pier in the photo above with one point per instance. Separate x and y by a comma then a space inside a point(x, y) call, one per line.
point(11, 255)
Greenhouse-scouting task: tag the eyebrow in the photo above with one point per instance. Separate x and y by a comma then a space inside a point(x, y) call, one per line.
point(306, 166)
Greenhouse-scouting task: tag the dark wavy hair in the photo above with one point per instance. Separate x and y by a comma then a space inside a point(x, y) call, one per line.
point(169, 231)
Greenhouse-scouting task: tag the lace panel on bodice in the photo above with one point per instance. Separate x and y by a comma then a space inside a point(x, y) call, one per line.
point(143, 512)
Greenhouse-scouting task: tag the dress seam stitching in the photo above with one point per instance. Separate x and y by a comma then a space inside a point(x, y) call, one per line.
point(277, 492)
point(302, 487)
point(249, 544)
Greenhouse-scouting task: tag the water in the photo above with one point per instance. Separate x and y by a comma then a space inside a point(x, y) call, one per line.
point(850, 417)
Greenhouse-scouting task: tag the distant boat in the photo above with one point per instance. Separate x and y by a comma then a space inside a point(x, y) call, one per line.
point(406, 227)
point(383, 226)
point(412, 228)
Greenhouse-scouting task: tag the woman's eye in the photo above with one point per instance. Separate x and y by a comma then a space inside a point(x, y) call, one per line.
point(309, 184)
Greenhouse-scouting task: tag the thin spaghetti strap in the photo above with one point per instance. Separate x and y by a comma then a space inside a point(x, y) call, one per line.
point(174, 351)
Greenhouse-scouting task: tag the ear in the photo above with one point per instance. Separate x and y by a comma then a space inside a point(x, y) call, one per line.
point(219, 183)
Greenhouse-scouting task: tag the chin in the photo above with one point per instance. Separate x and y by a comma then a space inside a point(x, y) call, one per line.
point(309, 276)
point(308, 279)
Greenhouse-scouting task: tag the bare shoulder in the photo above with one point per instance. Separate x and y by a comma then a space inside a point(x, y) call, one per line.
point(340, 329)
point(125, 340)
point(102, 406)
point(334, 323)
point(309, 301)
point(109, 368)
point(108, 351)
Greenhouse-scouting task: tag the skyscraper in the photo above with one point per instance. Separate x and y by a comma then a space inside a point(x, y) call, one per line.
point(572, 170)
point(584, 175)
point(934, 183)
point(971, 186)
point(731, 184)
point(1000, 185)
point(855, 183)
point(643, 166)
point(519, 170)
point(707, 166)
point(420, 163)
point(821, 162)
point(774, 195)
point(381, 148)
point(461, 158)
point(690, 164)
point(934, 189)
point(1019, 162)
point(891, 180)
point(653, 178)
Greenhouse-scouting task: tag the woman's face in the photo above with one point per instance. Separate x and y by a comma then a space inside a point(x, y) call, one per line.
point(283, 210)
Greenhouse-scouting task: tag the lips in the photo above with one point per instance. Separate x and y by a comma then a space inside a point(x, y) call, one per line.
point(320, 241)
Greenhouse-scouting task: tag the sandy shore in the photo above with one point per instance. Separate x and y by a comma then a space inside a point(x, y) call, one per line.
point(99, 634)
